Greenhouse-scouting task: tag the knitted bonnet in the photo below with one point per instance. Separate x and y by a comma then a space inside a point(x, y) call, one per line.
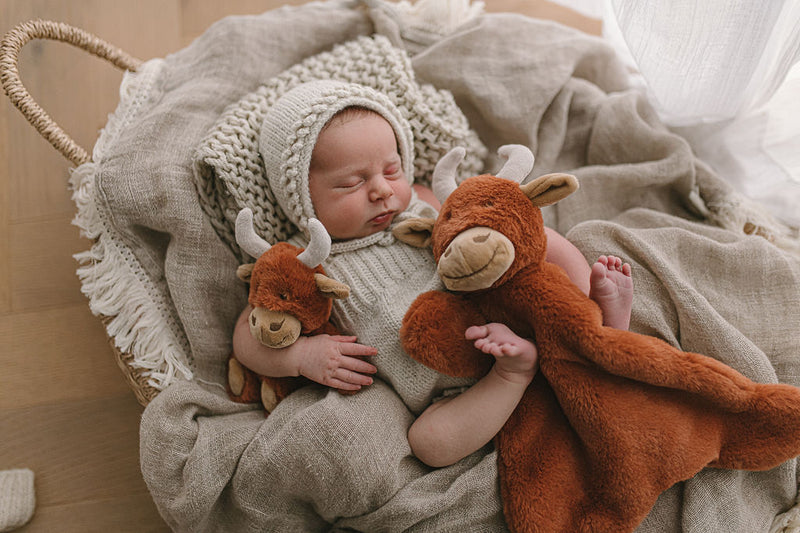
point(290, 130)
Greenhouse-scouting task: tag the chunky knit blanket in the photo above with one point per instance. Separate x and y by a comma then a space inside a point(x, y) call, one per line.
point(162, 270)
point(229, 172)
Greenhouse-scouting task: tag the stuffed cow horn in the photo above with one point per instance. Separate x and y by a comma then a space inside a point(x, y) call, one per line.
point(319, 247)
point(443, 181)
point(519, 162)
point(246, 236)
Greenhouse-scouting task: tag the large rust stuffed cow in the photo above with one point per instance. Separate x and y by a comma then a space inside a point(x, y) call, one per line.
point(290, 295)
point(613, 418)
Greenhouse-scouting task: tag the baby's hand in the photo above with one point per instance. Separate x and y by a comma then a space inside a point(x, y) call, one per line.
point(515, 357)
point(333, 360)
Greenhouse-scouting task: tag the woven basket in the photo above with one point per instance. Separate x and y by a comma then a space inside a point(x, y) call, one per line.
point(10, 48)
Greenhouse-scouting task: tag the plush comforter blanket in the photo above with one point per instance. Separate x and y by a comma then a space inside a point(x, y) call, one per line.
point(323, 461)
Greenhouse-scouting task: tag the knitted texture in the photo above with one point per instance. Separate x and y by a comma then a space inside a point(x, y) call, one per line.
point(17, 498)
point(385, 276)
point(290, 130)
point(229, 172)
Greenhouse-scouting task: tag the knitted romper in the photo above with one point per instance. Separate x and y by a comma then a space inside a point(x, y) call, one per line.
point(385, 276)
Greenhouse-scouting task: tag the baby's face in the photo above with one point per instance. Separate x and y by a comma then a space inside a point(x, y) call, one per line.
point(356, 179)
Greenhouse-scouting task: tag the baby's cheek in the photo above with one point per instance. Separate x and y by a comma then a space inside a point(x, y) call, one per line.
point(403, 194)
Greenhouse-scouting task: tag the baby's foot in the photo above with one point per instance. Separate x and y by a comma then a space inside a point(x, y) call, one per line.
point(611, 287)
point(497, 340)
point(514, 355)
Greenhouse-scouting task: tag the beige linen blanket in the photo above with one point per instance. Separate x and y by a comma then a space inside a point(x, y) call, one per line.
point(325, 462)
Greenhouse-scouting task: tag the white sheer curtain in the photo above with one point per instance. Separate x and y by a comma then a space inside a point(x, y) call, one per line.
point(724, 74)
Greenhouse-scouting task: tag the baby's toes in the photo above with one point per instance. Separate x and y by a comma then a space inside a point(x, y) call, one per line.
point(491, 348)
point(598, 273)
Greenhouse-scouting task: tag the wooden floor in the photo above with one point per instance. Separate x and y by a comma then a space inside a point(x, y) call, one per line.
point(65, 411)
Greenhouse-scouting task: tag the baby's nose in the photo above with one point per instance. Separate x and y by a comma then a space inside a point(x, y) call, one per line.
point(381, 188)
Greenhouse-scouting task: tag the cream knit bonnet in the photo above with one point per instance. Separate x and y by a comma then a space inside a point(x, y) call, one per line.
point(291, 128)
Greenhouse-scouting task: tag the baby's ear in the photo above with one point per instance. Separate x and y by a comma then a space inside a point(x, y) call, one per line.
point(415, 231)
point(244, 272)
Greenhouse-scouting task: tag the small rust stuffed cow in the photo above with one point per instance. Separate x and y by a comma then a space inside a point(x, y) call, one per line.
point(290, 295)
point(612, 418)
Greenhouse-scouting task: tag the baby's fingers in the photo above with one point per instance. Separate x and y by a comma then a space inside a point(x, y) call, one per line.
point(343, 385)
point(349, 346)
point(344, 338)
point(349, 380)
point(357, 365)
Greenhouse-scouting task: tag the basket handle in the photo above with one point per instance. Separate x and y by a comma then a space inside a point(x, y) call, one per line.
point(11, 45)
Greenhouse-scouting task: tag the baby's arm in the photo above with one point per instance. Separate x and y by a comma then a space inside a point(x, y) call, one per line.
point(331, 360)
point(454, 427)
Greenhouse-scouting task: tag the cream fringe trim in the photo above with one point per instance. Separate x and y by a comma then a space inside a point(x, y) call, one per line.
point(113, 280)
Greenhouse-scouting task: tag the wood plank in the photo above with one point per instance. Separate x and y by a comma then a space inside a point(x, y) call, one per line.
point(547, 10)
point(5, 270)
point(5, 250)
point(42, 267)
point(79, 451)
point(135, 513)
point(54, 356)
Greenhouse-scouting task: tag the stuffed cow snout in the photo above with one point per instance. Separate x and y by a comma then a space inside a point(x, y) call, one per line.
point(274, 328)
point(475, 259)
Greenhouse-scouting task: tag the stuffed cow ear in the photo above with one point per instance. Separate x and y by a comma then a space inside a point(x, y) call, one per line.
point(550, 188)
point(331, 288)
point(415, 231)
point(244, 272)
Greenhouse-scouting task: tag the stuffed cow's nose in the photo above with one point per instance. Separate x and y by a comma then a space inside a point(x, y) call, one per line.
point(479, 239)
point(475, 259)
point(275, 329)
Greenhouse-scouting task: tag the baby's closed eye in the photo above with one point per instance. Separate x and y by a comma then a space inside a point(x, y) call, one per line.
point(393, 173)
point(350, 183)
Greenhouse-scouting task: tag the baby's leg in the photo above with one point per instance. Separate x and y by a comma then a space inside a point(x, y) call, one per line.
point(611, 287)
